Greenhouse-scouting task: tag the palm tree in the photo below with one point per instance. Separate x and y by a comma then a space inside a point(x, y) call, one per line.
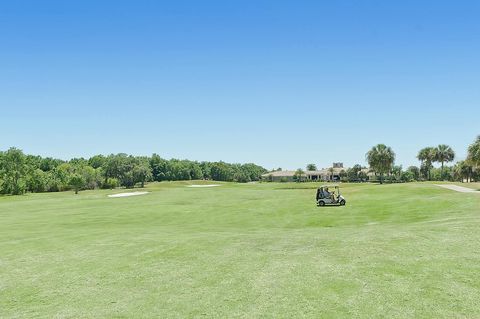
point(474, 153)
point(299, 174)
point(444, 153)
point(463, 171)
point(331, 171)
point(311, 167)
point(415, 171)
point(381, 159)
point(427, 156)
point(397, 172)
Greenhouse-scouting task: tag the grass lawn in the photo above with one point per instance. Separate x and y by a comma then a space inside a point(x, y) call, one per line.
point(241, 250)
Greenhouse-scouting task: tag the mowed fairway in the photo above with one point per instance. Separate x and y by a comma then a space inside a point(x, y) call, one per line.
point(241, 250)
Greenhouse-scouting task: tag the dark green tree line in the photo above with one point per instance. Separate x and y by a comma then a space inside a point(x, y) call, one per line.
point(20, 173)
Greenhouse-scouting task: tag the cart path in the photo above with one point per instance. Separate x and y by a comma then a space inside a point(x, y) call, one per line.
point(457, 188)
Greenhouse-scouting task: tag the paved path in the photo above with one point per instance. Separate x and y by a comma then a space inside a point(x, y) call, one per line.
point(460, 189)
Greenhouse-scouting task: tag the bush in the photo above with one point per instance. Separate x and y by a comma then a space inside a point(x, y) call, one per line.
point(407, 177)
point(77, 182)
point(110, 183)
point(241, 177)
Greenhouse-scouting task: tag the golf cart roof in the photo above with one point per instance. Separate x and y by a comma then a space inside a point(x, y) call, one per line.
point(328, 186)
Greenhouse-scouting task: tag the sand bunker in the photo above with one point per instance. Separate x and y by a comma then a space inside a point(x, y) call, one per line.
point(128, 194)
point(200, 186)
point(457, 188)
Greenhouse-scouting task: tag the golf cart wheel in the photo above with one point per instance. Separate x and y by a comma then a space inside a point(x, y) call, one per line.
point(342, 202)
point(321, 203)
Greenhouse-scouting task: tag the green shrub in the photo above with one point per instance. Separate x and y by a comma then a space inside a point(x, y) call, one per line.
point(110, 183)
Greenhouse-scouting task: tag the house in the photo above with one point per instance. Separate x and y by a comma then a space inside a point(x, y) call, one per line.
point(331, 174)
point(326, 174)
point(279, 176)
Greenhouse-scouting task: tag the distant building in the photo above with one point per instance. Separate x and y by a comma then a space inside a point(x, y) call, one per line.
point(331, 174)
point(279, 176)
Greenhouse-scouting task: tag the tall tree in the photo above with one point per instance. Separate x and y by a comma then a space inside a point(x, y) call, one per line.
point(142, 173)
point(474, 153)
point(221, 171)
point(77, 182)
point(36, 181)
point(353, 173)
point(381, 159)
point(311, 167)
point(444, 153)
point(415, 171)
point(13, 169)
point(463, 170)
point(427, 156)
point(396, 172)
point(331, 170)
point(97, 161)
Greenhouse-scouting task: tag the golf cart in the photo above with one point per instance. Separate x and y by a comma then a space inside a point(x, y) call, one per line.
point(326, 196)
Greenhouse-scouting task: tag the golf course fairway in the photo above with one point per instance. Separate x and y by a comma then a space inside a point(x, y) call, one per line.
point(241, 251)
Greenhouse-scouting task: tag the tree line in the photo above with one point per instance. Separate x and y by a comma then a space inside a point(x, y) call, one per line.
point(20, 173)
point(381, 159)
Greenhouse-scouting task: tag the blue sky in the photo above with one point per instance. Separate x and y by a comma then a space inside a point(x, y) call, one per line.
point(278, 83)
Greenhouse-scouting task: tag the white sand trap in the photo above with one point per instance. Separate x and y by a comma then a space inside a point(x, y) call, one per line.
point(201, 186)
point(128, 194)
point(457, 188)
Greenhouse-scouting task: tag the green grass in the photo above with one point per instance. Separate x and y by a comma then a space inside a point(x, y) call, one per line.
point(247, 251)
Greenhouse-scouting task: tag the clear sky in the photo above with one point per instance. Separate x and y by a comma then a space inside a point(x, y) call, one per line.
point(278, 83)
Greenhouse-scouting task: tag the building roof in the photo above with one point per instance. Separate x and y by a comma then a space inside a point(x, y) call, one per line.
point(279, 174)
point(323, 172)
